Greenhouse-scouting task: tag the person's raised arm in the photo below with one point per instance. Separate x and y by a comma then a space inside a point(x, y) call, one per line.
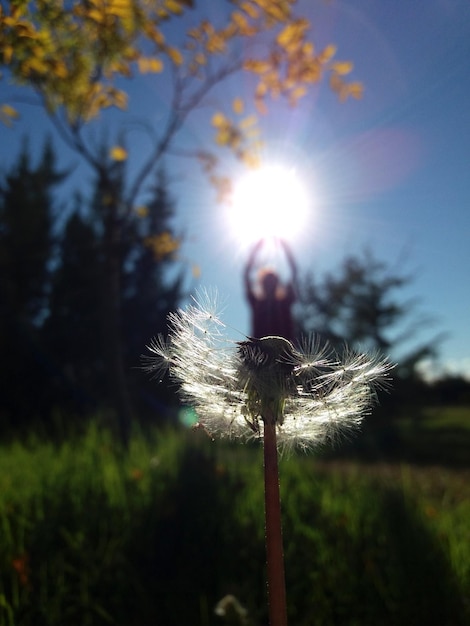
point(249, 266)
point(292, 263)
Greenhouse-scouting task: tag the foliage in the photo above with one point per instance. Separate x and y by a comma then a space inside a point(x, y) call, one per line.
point(54, 46)
point(26, 215)
point(146, 291)
point(53, 290)
point(94, 535)
point(72, 328)
point(76, 57)
point(360, 304)
point(153, 285)
point(26, 248)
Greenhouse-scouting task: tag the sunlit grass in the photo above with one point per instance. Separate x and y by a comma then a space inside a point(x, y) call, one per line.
point(160, 533)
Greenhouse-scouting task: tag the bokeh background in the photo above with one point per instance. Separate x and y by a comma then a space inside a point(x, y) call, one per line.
point(113, 510)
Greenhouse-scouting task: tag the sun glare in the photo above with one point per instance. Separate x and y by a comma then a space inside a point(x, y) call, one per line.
point(268, 202)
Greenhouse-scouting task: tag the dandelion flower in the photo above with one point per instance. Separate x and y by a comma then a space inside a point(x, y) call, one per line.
point(236, 387)
point(265, 388)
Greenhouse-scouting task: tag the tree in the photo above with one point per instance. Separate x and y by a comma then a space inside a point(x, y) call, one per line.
point(152, 287)
point(80, 293)
point(76, 58)
point(26, 215)
point(360, 304)
point(72, 329)
point(25, 233)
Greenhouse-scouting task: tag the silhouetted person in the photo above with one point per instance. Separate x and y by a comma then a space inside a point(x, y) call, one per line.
point(270, 301)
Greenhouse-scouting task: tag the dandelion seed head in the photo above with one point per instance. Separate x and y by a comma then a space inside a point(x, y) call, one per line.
point(234, 387)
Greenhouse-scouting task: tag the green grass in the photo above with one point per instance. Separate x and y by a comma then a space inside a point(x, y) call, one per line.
point(436, 434)
point(158, 534)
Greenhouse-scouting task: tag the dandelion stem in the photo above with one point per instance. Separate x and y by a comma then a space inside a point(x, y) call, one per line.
point(274, 551)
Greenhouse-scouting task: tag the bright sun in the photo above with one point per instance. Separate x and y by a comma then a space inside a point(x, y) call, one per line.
point(268, 202)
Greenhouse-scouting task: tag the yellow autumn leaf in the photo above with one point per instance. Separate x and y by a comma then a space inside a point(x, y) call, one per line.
point(141, 211)
point(328, 53)
point(175, 55)
point(95, 15)
point(223, 137)
point(9, 111)
point(219, 120)
point(215, 43)
point(250, 159)
point(240, 22)
point(7, 54)
point(342, 67)
point(120, 8)
point(277, 10)
point(308, 49)
point(34, 65)
point(120, 98)
point(147, 64)
point(118, 153)
point(174, 6)
point(356, 90)
point(238, 106)
point(162, 244)
point(258, 67)
point(292, 34)
point(297, 93)
point(249, 9)
point(8, 114)
point(248, 122)
point(154, 34)
point(60, 69)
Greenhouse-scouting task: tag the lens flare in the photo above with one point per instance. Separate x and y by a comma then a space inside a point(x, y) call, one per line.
point(268, 202)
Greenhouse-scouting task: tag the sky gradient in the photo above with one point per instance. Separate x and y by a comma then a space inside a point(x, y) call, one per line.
point(390, 172)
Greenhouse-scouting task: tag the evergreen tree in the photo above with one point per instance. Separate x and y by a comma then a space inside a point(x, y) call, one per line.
point(360, 304)
point(26, 213)
point(25, 234)
point(72, 330)
point(103, 253)
point(152, 288)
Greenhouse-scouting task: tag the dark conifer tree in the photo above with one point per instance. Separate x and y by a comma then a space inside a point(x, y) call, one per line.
point(153, 286)
point(26, 215)
point(113, 288)
point(72, 329)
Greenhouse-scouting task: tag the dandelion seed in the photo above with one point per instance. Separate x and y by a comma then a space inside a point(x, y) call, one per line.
point(311, 395)
point(160, 360)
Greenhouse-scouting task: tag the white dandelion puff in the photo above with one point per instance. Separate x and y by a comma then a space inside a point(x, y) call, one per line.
point(235, 387)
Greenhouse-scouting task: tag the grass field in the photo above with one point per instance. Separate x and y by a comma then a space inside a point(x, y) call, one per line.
point(159, 534)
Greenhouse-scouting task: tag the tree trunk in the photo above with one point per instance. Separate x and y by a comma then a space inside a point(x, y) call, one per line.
point(112, 324)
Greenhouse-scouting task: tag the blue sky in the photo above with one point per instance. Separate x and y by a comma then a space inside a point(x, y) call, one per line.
point(391, 172)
